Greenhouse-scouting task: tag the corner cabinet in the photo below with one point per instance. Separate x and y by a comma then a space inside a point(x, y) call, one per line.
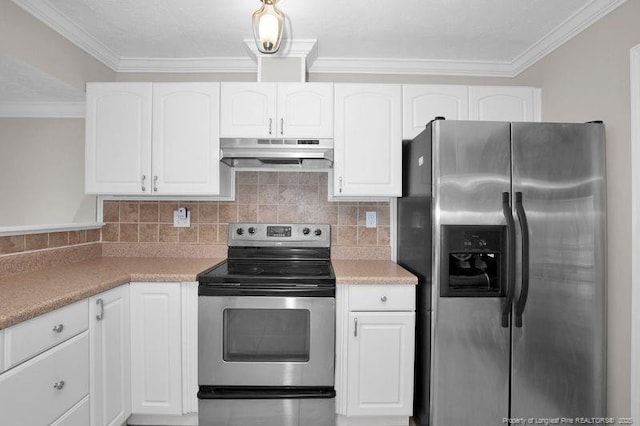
point(154, 139)
point(368, 141)
point(374, 374)
point(110, 353)
point(282, 110)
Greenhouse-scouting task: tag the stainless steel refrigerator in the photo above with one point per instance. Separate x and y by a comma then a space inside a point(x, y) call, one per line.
point(504, 224)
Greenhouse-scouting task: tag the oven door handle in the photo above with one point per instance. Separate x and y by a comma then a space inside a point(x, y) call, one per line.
point(267, 291)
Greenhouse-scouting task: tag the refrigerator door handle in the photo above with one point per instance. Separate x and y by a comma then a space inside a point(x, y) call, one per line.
point(511, 259)
point(524, 231)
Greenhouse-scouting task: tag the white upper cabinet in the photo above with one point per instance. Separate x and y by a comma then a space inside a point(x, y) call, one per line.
point(153, 139)
point(305, 110)
point(368, 140)
point(421, 103)
point(504, 103)
point(118, 138)
point(186, 145)
point(270, 110)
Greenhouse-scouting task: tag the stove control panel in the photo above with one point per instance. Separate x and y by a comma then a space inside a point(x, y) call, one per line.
point(293, 235)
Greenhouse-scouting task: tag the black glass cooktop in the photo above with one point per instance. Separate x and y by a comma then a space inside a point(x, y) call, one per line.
point(251, 271)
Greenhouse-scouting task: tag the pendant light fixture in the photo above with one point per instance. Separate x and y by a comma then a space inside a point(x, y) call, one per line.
point(268, 23)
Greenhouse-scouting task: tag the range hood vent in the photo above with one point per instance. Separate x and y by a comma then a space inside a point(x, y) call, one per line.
point(277, 154)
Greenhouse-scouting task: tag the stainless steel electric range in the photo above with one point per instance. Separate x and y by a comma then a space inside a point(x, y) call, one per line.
point(266, 320)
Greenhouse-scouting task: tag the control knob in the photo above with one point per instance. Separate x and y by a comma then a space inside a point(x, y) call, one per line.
point(252, 230)
point(306, 231)
point(239, 231)
point(467, 243)
point(318, 232)
point(482, 243)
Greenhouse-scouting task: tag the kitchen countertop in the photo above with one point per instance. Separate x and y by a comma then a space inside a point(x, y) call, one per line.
point(27, 295)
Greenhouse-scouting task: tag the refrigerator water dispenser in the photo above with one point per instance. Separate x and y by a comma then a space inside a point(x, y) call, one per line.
point(472, 262)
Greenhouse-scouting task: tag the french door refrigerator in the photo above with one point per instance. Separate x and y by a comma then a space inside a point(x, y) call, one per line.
point(504, 224)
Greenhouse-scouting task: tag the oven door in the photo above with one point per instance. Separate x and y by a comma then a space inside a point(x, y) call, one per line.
point(266, 341)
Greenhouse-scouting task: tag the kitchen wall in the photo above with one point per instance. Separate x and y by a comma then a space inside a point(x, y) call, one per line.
point(42, 172)
point(588, 79)
point(145, 228)
point(42, 160)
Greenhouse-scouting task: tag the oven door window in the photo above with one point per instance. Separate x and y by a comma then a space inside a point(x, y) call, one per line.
point(266, 335)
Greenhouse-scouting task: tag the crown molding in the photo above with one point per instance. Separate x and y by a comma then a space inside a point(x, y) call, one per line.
point(58, 22)
point(411, 66)
point(592, 11)
point(569, 28)
point(42, 109)
point(186, 65)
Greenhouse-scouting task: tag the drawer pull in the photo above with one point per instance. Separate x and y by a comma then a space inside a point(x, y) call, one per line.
point(355, 328)
point(58, 385)
point(383, 299)
point(58, 328)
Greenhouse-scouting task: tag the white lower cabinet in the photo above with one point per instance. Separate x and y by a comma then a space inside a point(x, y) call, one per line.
point(380, 365)
point(156, 353)
point(110, 357)
point(375, 357)
point(44, 388)
point(76, 416)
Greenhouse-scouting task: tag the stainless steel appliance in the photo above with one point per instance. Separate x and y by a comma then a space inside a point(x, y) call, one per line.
point(504, 224)
point(279, 154)
point(266, 319)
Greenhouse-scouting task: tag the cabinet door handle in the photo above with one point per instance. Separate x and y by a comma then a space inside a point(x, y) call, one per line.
point(144, 188)
point(155, 184)
point(282, 126)
point(59, 384)
point(270, 123)
point(340, 184)
point(355, 327)
point(58, 328)
point(383, 299)
point(100, 303)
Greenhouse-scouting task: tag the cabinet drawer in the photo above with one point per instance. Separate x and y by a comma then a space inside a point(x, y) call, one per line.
point(42, 389)
point(78, 415)
point(27, 339)
point(382, 298)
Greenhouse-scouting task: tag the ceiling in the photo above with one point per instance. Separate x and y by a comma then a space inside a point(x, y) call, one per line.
point(498, 38)
point(456, 37)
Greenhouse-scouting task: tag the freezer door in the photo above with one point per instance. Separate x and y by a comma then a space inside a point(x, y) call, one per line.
point(558, 361)
point(470, 347)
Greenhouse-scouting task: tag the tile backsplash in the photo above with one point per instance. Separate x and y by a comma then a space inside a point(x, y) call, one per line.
point(279, 197)
point(31, 242)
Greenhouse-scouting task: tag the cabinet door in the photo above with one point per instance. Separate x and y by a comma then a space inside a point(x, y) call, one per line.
point(368, 140)
point(186, 145)
point(156, 364)
point(111, 357)
point(380, 363)
point(305, 110)
point(248, 110)
point(118, 138)
point(421, 103)
point(504, 103)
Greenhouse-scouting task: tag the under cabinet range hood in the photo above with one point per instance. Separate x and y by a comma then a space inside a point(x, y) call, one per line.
point(293, 154)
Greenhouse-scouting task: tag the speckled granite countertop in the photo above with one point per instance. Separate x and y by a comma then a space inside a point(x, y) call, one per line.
point(371, 272)
point(25, 296)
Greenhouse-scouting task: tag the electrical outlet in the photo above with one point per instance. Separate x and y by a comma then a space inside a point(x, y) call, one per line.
point(372, 219)
point(181, 218)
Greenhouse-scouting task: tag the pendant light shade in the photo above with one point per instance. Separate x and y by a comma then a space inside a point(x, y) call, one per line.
point(268, 23)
